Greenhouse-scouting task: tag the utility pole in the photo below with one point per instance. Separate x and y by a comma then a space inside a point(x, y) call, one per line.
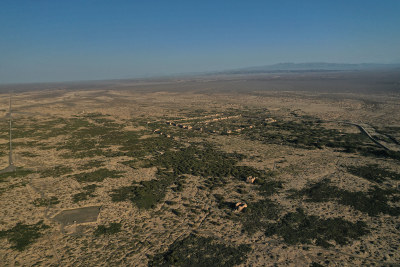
point(11, 167)
point(10, 159)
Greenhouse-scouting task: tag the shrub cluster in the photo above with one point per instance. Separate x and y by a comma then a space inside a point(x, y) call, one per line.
point(22, 235)
point(201, 251)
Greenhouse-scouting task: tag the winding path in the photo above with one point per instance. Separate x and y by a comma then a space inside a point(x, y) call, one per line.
point(362, 129)
point(394, 146)
point(46, 215)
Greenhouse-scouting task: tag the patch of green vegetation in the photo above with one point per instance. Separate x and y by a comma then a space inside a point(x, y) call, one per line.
point(267, 187)
point(84, 154)
point(201, 251)
point(22, 129)
point(176, 212)
point(214, 182)
point(87, 139)
point(146, 194)
point(130, 163)
point(113, 228)
point(94, 139)
point(138, 148)
point(28, 154)
point(308, 132)
point(205, 161)
point(55, 172)
point(197, 112)
point(93, 115)
point(257, 215)
point(18, 173)
point(43, 130)
point(97, 175)
point(169, 202)
point(179, 184)
point(389, 131)
point(299, 228)
point(89, 136)
point(22, 235)
point(88, 191)
point(44, 202)
point(31, 144)
point(91, 164)
point(198, 159)
point(380, 153)
point(373, 202)
point(12, 186)
point(374, 173)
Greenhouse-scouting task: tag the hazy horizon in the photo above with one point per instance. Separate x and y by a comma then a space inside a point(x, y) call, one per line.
point(50, 41)
point(249, 70)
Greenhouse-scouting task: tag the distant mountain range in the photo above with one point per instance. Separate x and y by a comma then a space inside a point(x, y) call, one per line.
point(309, 67)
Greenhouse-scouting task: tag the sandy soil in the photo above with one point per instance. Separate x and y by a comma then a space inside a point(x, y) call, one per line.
point(148, 232)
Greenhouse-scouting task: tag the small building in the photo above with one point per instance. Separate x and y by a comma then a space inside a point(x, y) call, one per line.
point(250, 179)
point(240, 206)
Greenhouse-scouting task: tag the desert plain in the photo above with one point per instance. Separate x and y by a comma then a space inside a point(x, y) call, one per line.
point(286, 169)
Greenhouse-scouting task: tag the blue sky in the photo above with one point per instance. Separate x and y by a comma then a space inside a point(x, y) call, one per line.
point(48, 40)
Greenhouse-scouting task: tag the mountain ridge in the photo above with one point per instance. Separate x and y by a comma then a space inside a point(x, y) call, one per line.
point(312, 66)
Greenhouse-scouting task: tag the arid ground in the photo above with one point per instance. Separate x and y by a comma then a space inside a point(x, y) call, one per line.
point(264, 170)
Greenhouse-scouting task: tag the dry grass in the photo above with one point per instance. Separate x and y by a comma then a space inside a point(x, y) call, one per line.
point(158, 192)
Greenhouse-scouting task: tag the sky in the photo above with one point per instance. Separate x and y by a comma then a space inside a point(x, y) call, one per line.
point(48, 40)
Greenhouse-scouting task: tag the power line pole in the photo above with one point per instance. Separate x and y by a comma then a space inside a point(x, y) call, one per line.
point(10, 159)
point(10, 167)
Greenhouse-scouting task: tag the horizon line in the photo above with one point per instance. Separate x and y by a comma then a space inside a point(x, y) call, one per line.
point(213, 72)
